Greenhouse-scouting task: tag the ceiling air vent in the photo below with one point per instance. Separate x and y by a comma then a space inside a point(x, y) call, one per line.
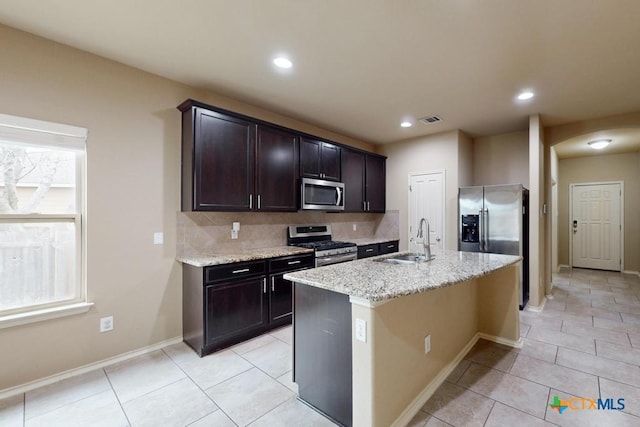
point(431, 120)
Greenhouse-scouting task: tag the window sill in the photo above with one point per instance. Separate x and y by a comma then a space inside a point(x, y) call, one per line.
point(45, 314)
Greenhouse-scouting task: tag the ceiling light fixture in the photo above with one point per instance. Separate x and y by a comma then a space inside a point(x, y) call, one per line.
point(599, 144)
point(526, 95)
point(406, 124)
point(282, 62)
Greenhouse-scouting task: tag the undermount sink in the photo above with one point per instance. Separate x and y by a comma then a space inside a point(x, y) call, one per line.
point(405, 259)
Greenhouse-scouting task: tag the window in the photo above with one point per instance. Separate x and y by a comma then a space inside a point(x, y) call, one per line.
point(42, 172)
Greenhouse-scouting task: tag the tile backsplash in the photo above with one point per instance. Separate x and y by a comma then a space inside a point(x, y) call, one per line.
point(209, 233)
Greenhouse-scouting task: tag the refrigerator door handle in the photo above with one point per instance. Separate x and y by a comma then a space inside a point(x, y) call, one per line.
point(486, 230)
point(481, 237)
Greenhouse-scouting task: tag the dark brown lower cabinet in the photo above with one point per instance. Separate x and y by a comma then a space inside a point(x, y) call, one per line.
point(235, 309)
point(322, 351)
point(280, 300)
point(226, 304)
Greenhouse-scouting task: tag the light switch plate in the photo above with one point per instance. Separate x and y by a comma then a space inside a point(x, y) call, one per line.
point(158, 238)
point(234, 234)
point(236, 226)
point(427, 344)
point(361, 330)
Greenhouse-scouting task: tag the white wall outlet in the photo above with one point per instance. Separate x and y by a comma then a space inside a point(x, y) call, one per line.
point(234, 234)
point(361, 330)
point(158, 238)
point(106, 324)
point(427, 344)
point(236, 226)
point(355, 227)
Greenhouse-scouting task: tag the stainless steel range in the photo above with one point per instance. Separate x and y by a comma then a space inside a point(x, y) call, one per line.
point(318, 238)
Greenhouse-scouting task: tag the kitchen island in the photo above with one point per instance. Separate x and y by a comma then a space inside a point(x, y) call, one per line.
point(361, 328)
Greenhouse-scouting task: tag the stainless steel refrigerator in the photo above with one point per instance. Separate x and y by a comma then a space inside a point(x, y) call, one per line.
point(495, 219)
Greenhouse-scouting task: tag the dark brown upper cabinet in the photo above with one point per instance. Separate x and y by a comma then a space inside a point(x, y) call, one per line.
point(364, 181)
point(277, 170)
point(232, 163)
point(218, 156)
point(319, 159)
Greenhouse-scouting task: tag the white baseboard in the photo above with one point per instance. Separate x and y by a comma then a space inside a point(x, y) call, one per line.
point(23, 388)
point(537, 309)
point(511, 343)
point(637, 273)
point(410, 411)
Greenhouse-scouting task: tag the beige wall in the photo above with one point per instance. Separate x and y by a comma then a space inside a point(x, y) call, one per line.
point(426, 154)
point(133, 153)
point(501, 159)
point(615, 167)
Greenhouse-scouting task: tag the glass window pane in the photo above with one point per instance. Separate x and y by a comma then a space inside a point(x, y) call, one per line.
point(37, 180)
point(37, 264)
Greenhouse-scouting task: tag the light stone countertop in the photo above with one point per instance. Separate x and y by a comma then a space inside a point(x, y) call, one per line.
point(371, 241)
point(245, 255)
point(379, 281)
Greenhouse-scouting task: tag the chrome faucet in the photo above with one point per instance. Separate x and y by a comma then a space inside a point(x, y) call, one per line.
point(426, 241)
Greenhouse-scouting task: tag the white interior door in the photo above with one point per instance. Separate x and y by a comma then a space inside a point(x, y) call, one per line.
point(596, 226)
point(426, 200)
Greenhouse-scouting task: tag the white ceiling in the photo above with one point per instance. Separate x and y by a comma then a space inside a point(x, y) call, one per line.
point(362, 66)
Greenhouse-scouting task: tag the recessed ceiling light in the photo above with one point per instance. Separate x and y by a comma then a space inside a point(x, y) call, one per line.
point(526, 95)
point(406, 124)
point(282, 62)
point(599, 144)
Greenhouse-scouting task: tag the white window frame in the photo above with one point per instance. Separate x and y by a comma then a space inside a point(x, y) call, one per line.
point(25, 131)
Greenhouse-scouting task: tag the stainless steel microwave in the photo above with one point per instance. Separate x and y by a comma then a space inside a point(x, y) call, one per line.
point(317, 194)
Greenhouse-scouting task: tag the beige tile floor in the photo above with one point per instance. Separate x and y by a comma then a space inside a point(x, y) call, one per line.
point(585, 343)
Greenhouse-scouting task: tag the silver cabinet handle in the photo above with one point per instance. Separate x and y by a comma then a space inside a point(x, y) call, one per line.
point(250, 201)
point(368, 250)
point(273, 284)
point(294, 262)
point(364, 206)
point(264, 285)
point(259, 201)
point(242, 270)
point(391, 246)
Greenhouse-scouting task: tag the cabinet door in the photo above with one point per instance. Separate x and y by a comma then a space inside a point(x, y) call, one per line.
point(319, 160)
point(223, 156)
point(353, 164)
point(375, 191)
point(310, 158)
point(234, 308)
point(280, 303)
point(277, 173)
point(330, 161)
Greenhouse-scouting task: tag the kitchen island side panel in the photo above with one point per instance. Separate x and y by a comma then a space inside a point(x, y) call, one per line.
point(323, 358)
point(400, 369)
point(396, 376)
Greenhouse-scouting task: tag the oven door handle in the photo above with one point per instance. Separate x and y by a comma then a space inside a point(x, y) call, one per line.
point(335, 259)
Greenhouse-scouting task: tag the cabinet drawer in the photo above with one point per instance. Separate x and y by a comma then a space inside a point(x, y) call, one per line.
point(289, 263)
point(236, 270)
point(367, 251)
point(388, 247)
